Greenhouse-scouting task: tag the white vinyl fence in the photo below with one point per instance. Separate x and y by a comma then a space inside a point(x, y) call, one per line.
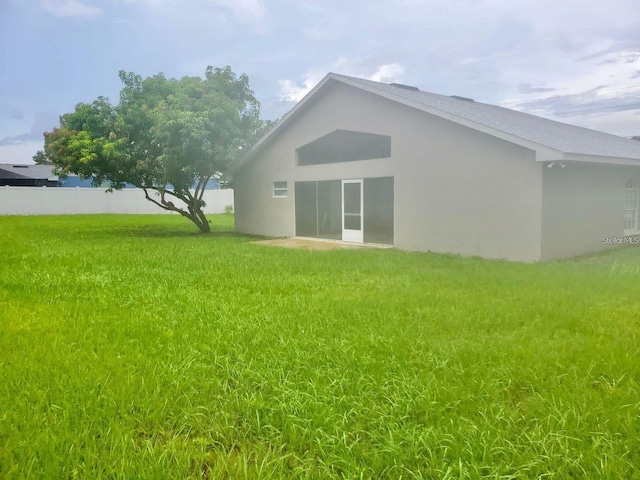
point(78, 200)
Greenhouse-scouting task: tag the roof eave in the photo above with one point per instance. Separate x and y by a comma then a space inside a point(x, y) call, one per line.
point(581, 157)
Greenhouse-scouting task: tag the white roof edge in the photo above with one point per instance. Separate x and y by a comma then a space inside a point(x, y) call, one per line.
point(549, 157)
point(581, 157)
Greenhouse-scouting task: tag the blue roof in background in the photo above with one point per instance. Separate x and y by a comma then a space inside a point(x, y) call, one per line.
point(75, 181)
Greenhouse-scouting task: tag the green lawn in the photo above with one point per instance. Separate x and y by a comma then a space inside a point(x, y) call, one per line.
point(132, 347)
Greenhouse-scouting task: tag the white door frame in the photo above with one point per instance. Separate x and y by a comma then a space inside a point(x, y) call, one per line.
point(351, 235)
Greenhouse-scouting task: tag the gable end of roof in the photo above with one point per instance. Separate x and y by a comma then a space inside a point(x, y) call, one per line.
point(548, 138)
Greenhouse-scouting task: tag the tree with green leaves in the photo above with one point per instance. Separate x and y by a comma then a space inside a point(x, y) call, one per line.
point(168, 137)
point(41, 159)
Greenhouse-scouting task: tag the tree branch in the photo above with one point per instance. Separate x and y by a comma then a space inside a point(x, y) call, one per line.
point(168, 205)
point(195, 213)
point(202, 184)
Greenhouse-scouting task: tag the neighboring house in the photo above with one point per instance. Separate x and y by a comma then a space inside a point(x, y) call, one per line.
point(76, 181)
point(28, 176)
point(363, 161)
point(43, 176)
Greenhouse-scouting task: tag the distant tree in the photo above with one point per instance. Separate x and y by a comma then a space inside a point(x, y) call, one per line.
point(263, 129)
point(165, 136)
point(226, 181)
point(41, 159)
point(636, 138)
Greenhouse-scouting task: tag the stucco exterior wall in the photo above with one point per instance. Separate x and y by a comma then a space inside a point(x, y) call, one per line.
point(462, 191)
point(456, 190)
point(582, 203)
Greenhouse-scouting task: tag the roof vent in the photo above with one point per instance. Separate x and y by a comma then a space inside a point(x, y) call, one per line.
point(21, 166)
point(464, 99)
point(406, 87)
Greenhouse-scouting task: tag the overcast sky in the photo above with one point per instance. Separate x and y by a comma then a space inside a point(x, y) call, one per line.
point(577, 61)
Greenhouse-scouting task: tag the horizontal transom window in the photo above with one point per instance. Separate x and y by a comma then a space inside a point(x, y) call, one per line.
point(344, 146)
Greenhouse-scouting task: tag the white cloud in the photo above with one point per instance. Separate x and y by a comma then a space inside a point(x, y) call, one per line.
point(387, 73)
point(290, 92)
point(626, 124)
point(601, 93)
point(70, 8)
point(242, 8)
point(19, 154)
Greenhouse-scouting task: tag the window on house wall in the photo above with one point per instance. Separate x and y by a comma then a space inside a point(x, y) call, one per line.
point(632, 199)
point(280, 189)
point(344, 146)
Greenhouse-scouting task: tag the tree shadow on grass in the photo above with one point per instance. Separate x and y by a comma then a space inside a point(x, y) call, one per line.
point(152, 231)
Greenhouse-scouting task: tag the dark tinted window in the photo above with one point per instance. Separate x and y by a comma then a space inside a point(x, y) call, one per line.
point(344, 146)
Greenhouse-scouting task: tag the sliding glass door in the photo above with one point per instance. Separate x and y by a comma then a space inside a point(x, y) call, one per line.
point(358, 210)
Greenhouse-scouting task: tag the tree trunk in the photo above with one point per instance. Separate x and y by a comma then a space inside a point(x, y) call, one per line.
point(202, 222)
point(195, 213)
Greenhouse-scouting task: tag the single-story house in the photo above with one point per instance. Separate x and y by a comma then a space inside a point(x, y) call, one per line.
point(362, 161)
point(43, 176)
point(28, 176)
